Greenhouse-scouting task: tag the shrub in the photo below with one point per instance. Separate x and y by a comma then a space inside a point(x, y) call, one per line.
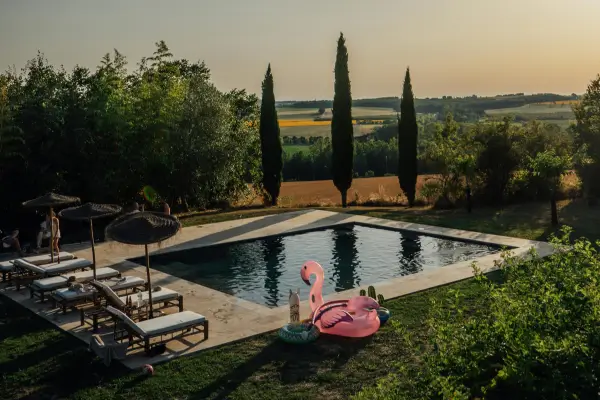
point(431, 190)
point(369, 174)
point(537, 335)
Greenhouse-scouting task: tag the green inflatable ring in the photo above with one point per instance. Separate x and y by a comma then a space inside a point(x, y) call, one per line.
point(298, 333)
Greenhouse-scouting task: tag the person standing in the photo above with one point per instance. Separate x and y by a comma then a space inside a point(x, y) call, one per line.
point(55, 233)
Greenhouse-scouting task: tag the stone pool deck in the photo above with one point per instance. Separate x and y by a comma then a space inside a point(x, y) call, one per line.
point(232, 318)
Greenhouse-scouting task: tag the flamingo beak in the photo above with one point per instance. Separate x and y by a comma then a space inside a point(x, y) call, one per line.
point(306, 281)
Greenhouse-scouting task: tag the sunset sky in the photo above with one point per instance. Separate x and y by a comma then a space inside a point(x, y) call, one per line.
point(453, 47)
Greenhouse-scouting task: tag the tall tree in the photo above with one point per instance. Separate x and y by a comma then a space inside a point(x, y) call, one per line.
point(342, 132)
point(408, 131)
point(270, 141)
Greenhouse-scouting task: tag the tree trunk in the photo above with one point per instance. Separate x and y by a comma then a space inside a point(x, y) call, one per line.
point(468, 193)
point(344, 198)
point(553, 210)
point(273, 201)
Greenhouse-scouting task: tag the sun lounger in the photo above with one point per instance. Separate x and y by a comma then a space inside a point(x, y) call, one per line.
point(183, 323)
point(7, 267)
point(69, 297)
point(41, 286)
point(29, 272)
point(164, 297)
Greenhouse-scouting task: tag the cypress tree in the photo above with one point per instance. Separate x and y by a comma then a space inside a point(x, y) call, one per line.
point(342, 132)
point(408, 132)
point(270, 140)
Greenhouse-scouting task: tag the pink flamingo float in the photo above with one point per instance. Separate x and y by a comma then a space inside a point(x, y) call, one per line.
point(356, 317)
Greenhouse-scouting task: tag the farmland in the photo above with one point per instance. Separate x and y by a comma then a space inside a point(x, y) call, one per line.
point(300, 121)
point(558, 112)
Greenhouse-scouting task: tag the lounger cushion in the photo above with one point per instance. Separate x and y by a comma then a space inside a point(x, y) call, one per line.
point(66, 266)
point(111, 297)
point(163, 294)
point(126, 320)
point(28, 266)
point(63, 280)
point(171, 322)
point(6, 266)
point(69, 295)
point(46, 259)
point(116, 284)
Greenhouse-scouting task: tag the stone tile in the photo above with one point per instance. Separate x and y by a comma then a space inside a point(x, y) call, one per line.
point(231, 318)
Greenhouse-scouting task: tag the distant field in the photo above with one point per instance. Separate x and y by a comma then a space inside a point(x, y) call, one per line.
point(295, 148)
point(321, 130)
point(541, 108)
point(357, 113)
point(569, 102)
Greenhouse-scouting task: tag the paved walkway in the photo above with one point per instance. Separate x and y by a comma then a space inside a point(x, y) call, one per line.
point(232, 318)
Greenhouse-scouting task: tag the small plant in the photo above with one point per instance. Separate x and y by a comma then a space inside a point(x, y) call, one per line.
point(363, 292)
point(374, 295)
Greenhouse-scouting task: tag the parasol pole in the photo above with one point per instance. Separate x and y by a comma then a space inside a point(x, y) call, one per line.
point(51, 236)
point(93, 249)
point(149, 281)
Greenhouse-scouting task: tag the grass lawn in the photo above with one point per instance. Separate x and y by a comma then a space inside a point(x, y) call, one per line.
point(38, 362)
point(291, 149)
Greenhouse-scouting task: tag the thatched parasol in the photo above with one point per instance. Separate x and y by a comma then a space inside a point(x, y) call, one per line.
point(143, 228)
point(89, 212)
point(51, 200)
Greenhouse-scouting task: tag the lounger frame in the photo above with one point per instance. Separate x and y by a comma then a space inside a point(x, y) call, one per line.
point(123, 332)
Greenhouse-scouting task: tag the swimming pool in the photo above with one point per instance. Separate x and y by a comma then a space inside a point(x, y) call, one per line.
point(264, 270)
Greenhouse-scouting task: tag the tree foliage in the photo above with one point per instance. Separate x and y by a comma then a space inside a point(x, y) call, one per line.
point(104, 134)
point(587, 132)
point(270, 140)
point(342, 132)
point(408, 132)
point(535, 335)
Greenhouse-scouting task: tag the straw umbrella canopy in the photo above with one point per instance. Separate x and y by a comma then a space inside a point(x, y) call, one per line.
point(51, 200)
point(90, 212)
point(143, 228)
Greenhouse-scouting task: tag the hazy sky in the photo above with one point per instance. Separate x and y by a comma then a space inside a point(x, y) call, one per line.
point(454, 47)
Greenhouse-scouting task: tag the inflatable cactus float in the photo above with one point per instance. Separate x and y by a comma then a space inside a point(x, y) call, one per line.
point(384, 313)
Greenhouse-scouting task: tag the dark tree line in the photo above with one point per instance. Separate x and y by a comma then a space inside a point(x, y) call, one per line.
point(104, 134)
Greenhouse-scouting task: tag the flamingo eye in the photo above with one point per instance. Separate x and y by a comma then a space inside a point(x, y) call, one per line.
point(305, 267)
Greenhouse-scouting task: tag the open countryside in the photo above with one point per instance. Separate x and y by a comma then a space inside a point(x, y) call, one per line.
point(426, 228)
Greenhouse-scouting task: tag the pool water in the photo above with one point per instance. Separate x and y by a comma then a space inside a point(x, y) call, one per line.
point(264, 270)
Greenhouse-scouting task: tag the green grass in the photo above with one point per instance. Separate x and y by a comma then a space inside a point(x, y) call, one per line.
point(295, 148)
point(37, 360)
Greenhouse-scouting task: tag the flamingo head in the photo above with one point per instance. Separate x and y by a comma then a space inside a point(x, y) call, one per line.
point(309, 268)
point(362, 303)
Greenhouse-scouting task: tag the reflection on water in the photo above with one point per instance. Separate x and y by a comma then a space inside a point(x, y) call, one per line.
point(410, 253)
point(263, 271)
point(345, 259)
point(274, 257)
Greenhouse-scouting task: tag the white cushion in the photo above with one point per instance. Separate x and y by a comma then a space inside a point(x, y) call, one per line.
point(46, 259)
point(68, 294)
point(125, 282)
point(6, 266)
point(66, 266)
point(110, 295)
point(28, 266)
point(157, 297)
point(166, 323)
point(121, 315)
point(63, 280)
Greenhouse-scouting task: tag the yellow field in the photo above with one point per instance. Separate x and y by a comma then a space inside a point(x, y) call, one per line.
point(288, 123)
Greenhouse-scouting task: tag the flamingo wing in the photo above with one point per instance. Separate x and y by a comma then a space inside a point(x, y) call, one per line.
point(331, 317)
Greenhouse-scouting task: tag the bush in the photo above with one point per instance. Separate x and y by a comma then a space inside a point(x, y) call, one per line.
point(431, 190)
point(537, 335)
point(369, 174)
